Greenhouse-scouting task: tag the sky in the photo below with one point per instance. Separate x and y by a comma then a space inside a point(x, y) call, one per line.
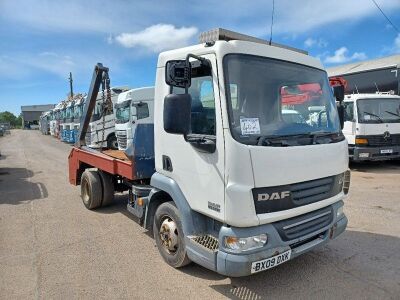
point(41, 41)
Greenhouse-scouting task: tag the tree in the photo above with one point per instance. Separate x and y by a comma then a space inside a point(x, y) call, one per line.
point(7, 116)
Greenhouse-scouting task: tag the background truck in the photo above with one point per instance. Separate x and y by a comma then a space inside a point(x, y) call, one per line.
point(372, 126)
point(133, 108)
point(101, 133)
point(225, 181)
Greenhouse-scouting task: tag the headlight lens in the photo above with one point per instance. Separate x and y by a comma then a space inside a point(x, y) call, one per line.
point(339, 212)
point(245, 244)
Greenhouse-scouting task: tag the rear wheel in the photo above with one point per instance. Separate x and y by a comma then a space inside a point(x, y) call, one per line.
point(112, 142)
point(108, 188)
point(168, 233)
point(91, 189)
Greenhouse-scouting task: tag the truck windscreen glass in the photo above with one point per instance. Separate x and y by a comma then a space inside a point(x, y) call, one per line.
point(382, 110)
point(122, 114)
point(278, 103)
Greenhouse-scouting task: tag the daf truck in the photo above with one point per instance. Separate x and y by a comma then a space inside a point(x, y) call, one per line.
point(372, 126)
point(101, 132)
point(133, 108)
point(224, 179)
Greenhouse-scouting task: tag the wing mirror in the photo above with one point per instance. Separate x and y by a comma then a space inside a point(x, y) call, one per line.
point(338, 92)
point(177, 113)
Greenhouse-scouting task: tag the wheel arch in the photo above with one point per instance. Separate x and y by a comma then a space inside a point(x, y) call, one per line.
point(166, 189)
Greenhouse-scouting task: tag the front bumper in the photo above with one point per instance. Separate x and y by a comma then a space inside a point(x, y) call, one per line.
point(358, 153)
point(239, 264)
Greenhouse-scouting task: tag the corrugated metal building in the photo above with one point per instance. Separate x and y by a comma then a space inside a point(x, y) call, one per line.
point(381, 74)
point(31, 113)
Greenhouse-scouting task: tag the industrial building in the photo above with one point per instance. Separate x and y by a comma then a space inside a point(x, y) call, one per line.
point(370, 76)
point(31, 114)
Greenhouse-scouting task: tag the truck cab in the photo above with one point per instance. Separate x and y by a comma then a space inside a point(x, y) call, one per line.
point(78, 110)
point(235, 183)
point(133, 108)
point(372, 126)
point(101, 132)
point(69, 121)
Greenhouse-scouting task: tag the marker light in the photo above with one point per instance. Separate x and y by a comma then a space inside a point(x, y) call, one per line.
point(360, 141)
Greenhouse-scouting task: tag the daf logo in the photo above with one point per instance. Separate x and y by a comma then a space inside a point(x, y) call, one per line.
point(273, 196)
point(386, 135)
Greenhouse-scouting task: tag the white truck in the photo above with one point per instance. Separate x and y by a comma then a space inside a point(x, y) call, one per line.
point(372, 126)
point(133, 108)
point(227, 182)
point(101, 134)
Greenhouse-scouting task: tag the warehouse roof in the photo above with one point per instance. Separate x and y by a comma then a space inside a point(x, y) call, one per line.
point(379, 63)
point(41, 107)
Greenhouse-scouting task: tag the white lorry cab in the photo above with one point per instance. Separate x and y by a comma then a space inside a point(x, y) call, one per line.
point(372, 126)
point(134, 109)
point(230, 180)
point(55, 120)
point(101, 132)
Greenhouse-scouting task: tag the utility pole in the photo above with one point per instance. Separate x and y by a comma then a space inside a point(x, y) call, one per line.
point(70, 85)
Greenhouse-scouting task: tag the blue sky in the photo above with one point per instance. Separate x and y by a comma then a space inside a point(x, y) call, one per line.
point(41, 41)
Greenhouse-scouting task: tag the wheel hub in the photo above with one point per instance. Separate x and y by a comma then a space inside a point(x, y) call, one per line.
point(169, 235)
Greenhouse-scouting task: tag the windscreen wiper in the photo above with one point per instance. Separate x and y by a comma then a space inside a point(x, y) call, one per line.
point(278, 140)
point(374, 115)
point(392, 113)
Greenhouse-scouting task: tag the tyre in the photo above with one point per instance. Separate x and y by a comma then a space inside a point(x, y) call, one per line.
point(168, 233)
point(108, 188)
point(112, 142)
point(91, 189)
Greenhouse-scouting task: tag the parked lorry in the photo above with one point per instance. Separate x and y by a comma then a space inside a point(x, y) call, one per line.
point(372, 126)
point(68, 120)
point(44, 122)
point(55, 121)
point(133, 108)
point(101, 133)
point(224, 180)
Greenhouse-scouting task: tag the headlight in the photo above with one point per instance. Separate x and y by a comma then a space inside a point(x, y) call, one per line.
point(245, 244)
point(339, 212)
point(346, 182)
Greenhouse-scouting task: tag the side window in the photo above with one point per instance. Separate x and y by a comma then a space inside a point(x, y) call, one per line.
point(203, 101)
point(142, 110)
point(349, 111)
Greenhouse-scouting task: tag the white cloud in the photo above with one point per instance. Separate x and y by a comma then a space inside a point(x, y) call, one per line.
point(341, 56)
point(310, 42)
point(158, 37)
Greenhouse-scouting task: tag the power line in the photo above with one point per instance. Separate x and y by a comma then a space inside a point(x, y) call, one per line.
point(387, 18)
point(272, 21)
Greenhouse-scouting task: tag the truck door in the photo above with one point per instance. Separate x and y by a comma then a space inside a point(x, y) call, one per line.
point(349, 122)
point(200, 175)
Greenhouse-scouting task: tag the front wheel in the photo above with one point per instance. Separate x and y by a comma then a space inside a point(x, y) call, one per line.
point(168, 233)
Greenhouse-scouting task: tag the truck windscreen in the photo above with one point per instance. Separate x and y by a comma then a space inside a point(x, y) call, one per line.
point(123, 112)
point(270, 100)
point(383, 110)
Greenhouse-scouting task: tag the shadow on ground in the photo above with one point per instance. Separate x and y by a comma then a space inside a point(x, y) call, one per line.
point(16, 186)
point(305, 277)
point(377, 167)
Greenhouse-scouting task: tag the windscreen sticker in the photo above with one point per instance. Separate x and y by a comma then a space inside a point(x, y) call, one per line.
point(249, 126)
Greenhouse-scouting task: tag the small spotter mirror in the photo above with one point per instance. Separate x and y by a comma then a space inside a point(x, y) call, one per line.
point(178, 73)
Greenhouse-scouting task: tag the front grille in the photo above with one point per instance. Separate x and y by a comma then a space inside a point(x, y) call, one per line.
point(379, 140)
point(311, 191)
point(278, 198)
point(303, 225)
point(207, 241)
point(88, 138)
point(122, 140)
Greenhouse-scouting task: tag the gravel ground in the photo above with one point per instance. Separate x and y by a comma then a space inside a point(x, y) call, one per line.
point(52, 247)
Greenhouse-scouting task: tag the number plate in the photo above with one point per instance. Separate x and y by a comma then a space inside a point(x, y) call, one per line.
point(271, 262)
point(386, 151)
